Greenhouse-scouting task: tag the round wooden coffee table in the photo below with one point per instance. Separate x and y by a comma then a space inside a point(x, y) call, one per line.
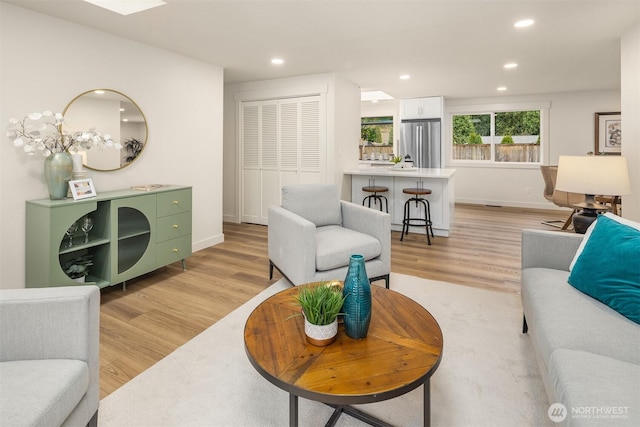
point(400, 353)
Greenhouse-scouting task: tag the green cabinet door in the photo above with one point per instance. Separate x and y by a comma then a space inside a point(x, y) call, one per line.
point(49, 247)
point(133, 250)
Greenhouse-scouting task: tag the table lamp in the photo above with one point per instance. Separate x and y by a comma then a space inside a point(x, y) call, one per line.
point(591, 176)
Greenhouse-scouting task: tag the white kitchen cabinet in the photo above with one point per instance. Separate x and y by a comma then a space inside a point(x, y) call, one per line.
point(421, 108)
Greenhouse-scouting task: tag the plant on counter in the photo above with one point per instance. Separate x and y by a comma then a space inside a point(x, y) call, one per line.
point(396, 159)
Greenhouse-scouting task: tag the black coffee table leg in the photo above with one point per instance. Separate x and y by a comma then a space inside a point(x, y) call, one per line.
point(293, 410)
point(427, 403)
point(355, 413)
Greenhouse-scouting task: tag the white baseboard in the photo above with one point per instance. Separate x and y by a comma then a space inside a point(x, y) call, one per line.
point(509, 203)
point(207, 243)
point(230, 218)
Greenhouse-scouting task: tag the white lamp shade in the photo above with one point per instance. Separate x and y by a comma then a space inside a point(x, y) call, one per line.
point(595, 175)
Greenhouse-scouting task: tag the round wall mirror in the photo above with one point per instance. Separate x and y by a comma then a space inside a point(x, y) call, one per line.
point(108, 112)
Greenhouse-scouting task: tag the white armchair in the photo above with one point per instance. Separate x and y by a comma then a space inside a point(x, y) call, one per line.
point(49, 356)
point(313, 234)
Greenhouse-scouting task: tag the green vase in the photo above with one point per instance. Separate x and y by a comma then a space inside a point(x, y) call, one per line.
point(58, 169)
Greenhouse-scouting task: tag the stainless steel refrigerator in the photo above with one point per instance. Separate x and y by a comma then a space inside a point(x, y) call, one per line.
point(420, 139)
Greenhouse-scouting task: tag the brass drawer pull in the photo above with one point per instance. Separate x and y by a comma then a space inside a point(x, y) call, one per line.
point(175, 250)
point(175, 202)
point(175, 225)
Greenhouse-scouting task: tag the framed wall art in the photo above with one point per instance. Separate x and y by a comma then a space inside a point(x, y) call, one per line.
point(608, 134)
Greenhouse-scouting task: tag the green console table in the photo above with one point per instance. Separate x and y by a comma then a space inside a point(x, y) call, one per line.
point(134, 232)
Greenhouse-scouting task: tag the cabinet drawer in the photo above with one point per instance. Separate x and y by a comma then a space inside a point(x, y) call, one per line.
point(173, 202)
point(170, 227)
point(173, 250)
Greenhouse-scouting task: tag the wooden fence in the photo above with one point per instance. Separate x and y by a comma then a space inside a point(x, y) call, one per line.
point(523, 153)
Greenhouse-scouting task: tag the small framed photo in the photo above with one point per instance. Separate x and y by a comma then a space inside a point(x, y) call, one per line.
point(82, 189)
point(608, 134)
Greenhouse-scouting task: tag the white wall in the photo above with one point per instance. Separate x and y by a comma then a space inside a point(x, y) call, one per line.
point(630, 94)
point(571, 132)
point(46, 62)
point(346, 134)
point(343, 126)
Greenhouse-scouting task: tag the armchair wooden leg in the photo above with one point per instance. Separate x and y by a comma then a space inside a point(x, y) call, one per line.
point(270, 270)
point(525, 327)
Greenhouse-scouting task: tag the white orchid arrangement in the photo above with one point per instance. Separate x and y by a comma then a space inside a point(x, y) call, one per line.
point(42, 132)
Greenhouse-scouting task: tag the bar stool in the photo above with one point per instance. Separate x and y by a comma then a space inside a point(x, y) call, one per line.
point(407, 220)
point(375, 189)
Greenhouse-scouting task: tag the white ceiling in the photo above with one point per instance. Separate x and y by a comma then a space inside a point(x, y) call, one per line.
point(453, 48)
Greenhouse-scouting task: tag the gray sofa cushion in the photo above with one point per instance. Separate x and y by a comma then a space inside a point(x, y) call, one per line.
point(335, 245)
point(566, 318)
point(318, 203)
point(596, 390)
point(41, 392)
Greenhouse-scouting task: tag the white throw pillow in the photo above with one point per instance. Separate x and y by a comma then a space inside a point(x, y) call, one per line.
point(617, 218)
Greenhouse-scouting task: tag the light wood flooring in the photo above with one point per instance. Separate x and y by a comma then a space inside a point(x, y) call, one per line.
point(159, 312)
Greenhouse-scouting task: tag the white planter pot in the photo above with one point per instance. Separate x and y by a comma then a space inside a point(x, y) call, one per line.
point(79, 279)
point(320, 335)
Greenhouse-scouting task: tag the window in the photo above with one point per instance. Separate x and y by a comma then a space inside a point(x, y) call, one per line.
point(500, 134)
point(377, 129)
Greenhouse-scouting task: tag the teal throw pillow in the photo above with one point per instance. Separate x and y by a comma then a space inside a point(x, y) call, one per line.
point(608, 269)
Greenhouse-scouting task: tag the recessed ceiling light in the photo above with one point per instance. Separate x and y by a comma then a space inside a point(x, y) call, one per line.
point(126, 7)
point(502, 88)
point(374, 100)
point(524, 23)
point(99, 92)
point(277, 61)
point(125, 120)
point(405, 77)
point(510, 65)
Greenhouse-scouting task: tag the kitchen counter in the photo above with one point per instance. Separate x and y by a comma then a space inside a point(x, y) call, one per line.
point(407, 172)
point(439, 181)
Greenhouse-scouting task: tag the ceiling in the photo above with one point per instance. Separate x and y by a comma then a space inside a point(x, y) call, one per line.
point(452, 48)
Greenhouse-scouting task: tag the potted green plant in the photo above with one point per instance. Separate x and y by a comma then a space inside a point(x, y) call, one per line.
point(321, 304)
point(78, 268)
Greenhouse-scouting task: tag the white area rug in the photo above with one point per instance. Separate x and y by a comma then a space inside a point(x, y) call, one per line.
point(488, 375)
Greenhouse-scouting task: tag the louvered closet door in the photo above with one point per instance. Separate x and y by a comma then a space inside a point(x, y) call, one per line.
point(282, 144)
point(289, 127)
point(302, 144)
point(312, 145)
point(259, 159)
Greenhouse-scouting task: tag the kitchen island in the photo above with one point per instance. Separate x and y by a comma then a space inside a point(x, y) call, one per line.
point(439, 181)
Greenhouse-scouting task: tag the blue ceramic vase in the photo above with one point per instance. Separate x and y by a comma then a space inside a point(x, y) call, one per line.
point(357, 304)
